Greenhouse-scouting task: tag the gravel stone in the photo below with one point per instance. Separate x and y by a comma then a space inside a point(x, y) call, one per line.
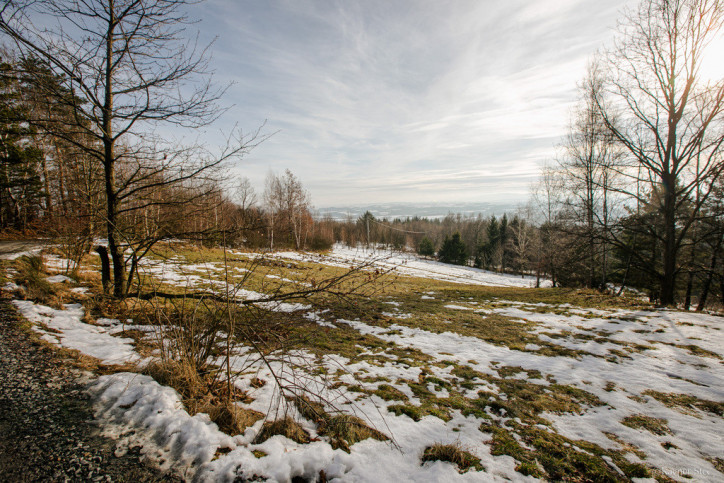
point(47, 431)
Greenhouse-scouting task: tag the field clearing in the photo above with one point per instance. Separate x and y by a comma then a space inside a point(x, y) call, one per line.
point(470, 381)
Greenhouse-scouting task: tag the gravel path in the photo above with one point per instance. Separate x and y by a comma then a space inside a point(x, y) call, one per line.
point(47, 432)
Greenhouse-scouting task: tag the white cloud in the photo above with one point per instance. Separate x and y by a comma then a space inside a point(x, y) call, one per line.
point(405, 100)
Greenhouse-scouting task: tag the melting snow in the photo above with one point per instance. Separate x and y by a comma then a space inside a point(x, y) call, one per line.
point(67, 330)
point(143, 412)
point(409, 264)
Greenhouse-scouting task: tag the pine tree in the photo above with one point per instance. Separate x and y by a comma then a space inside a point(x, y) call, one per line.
point(453, 250)
point(503, 236)
point(20, 183)
point(426, 247)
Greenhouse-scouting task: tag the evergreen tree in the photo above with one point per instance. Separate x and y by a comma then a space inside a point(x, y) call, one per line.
point(503, 236)
point(426, 247)
point(453, 250)
point(488, 250)
point(20, 183)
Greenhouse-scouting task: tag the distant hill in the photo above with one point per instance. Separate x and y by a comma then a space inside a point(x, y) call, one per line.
point(423, 210)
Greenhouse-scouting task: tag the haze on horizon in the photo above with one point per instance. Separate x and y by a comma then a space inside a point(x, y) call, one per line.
point(376, 101)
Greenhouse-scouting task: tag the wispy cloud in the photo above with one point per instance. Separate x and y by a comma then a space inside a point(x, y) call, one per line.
point(405, 100)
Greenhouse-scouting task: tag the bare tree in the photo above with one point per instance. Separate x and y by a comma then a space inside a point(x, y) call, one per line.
point(245, 195)
point(296, 206)
point(667, 118)
point(523, 236)
point(288, 204)
point(548, 197)
point(589, 163)
point(273, 203)
point(131, 68)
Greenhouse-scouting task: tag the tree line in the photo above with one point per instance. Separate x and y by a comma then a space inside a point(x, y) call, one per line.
point(638, 184)
point(634, 196)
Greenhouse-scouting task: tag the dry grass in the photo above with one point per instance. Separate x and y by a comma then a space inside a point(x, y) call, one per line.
point(686, 403)
point(452, 453)
point(345, 430)
point(231, 418)
point(203, 394)
point(540, 453)
point(186, 380)
point(626, 447)
point(286, 427)
point(656, 426)
point(31, 274)
point(311, 410)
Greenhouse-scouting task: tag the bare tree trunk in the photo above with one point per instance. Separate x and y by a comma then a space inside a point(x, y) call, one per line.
point(105, 267)
point(705, 289)
point(61, 180)
point(709, 276)
point(668, 280)
point(119, 269)
point(689, 287)
point(46, 187)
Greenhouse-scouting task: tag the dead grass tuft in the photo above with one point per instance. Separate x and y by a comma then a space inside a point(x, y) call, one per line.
point(718, 463)
point(232, 419)
point(184, 378)
point(452, 453)
point(345, 430)
point(31, 274)
point(626, 447)
point(653, 425)
point(686, 403)
point(286, 427)
point(311, 410)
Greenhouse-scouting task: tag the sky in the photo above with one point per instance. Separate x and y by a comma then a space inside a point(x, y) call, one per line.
point(373, 101)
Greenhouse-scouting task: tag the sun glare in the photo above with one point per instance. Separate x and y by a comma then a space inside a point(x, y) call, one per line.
point(712, 61)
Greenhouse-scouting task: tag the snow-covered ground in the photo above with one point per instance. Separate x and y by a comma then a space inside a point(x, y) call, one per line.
point(623, 353)
point(405, 263)
point(65, 328)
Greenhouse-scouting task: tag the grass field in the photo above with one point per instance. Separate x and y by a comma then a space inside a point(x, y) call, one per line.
point(414, 378)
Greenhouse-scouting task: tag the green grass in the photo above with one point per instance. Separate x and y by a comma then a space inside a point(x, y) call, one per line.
point(389, 393)
point(550, 456)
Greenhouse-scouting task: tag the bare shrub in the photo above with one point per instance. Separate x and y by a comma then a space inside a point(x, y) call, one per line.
point(73, 239)
point(208, 337)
